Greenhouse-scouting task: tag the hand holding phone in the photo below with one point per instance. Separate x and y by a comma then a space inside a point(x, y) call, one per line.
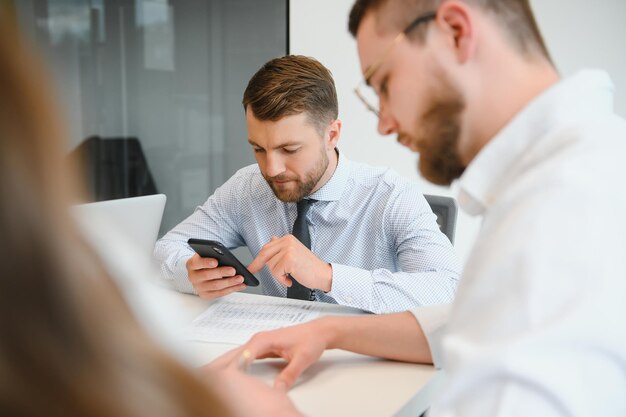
point(210, 273)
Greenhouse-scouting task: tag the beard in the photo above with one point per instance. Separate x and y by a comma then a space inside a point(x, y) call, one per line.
point(303, 187)
point(436, 135)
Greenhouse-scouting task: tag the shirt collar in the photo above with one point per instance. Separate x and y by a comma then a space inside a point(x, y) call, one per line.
point(334, 187)
point(587, 93)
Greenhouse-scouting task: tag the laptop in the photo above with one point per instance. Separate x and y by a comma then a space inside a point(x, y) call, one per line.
point(138, 218)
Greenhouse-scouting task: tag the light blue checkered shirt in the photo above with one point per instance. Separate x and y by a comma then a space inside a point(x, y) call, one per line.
point(372, 225)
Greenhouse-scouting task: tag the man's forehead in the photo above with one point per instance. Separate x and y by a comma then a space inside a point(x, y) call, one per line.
point(371, 41)
point(286, 131)
point(273, 142)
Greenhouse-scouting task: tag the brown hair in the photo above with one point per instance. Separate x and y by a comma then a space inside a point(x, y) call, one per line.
point(515, 16)
point(69, 345)
point(291, 85)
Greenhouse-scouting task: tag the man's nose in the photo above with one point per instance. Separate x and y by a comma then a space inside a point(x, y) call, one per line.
point(275, 165)
point(386, 122)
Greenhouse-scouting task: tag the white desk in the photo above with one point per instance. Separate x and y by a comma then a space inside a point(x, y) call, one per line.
point(341, 383)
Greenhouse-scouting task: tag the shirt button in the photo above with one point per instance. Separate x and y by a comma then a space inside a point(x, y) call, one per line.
point(349, 299)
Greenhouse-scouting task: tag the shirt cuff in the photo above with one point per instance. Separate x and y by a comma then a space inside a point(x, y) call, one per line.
point(433, 321)
point(180, 277)
point(351, 286)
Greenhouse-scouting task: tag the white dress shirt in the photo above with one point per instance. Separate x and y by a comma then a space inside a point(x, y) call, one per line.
point(373, 226)
point(538, 327)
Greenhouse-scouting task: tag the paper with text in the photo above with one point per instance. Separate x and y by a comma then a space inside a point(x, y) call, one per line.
point(235, 321)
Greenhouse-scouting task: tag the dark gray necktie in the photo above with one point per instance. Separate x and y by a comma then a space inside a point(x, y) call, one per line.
point(301, 232)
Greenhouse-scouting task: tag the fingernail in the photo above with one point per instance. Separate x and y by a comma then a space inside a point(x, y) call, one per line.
point(240, 280)
point(244, 360)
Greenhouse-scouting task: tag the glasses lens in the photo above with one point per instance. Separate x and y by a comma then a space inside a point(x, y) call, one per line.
point(368, 97)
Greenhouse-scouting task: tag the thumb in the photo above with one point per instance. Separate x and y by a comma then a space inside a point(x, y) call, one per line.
point(288, 376)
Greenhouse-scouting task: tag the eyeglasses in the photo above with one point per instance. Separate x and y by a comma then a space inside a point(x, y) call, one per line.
point(363, 90)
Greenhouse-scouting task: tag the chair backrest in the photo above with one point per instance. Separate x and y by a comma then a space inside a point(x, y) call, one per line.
point(115, 168)
point(445, 209)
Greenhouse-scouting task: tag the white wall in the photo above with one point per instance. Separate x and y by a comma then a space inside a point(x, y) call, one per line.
point(579, 33)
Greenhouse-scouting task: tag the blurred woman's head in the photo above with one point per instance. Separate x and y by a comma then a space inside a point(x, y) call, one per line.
point(68, 343)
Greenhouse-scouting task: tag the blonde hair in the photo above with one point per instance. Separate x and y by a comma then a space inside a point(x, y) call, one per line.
point(515, 16)
point(69, 345)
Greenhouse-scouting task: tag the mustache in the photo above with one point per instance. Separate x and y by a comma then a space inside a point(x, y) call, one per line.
point(407, 140)
point(280, 177)
point(402, 137)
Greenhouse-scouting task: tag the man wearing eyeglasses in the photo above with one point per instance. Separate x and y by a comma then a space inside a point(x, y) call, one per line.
point(321, 227)
point(538, 327)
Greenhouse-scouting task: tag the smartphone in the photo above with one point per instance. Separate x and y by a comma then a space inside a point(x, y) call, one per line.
point(213, 249)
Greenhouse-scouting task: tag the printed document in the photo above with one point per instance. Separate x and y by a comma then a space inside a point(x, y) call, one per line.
point(234, 320)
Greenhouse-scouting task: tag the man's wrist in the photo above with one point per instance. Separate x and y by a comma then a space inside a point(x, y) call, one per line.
point(329, 329)
point(327, 278)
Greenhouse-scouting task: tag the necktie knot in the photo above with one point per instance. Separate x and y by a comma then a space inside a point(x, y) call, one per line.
point(304, 205)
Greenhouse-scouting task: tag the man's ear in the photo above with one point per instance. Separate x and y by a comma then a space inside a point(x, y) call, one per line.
point(334, 131)
point(458, 24)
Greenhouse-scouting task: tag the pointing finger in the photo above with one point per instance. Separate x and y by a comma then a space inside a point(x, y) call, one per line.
point(267, 252)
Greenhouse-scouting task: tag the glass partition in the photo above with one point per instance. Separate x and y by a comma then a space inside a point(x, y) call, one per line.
point(152, 88)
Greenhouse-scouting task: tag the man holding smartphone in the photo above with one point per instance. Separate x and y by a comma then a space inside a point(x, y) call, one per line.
point(538, 327)
point(341, 231)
